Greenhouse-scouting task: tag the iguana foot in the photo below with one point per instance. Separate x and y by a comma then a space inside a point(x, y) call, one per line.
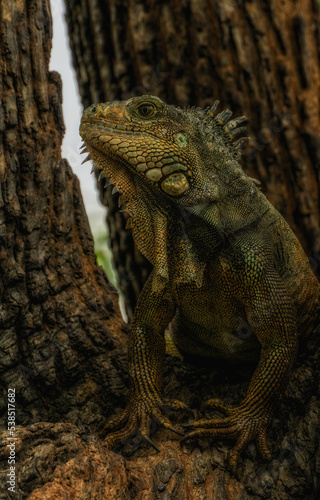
point(137, 418)
point(243, 423)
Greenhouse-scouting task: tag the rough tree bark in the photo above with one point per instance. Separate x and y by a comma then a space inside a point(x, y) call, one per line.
point(59, 318)
point(259, 58)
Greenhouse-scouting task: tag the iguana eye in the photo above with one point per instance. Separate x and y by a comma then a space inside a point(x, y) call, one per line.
point(146, 110)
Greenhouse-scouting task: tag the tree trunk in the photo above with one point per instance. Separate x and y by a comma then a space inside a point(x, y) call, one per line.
point(59, 318)
point(259, 58)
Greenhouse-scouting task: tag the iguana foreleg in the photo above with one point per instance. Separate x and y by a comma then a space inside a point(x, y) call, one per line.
point(270, 312)
point(146, 359)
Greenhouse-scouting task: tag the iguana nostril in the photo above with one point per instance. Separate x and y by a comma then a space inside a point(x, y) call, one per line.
point(93, 108)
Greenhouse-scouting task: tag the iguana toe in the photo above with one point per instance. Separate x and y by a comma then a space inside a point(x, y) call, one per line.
point(216, 404)
point(242, 425)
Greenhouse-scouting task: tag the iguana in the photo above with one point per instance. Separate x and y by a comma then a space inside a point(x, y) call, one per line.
point(222, 257)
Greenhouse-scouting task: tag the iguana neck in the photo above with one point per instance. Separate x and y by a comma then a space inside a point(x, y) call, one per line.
point(235, 213)
point(160, 233)
point(168, 235)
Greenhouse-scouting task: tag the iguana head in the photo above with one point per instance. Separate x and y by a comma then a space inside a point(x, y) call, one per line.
point(178, 154)
point(162, 158)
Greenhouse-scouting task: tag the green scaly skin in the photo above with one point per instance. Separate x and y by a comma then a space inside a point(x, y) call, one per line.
point(223, 259)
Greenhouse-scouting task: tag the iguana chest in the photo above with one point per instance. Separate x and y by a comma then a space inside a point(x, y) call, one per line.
point(211, 322)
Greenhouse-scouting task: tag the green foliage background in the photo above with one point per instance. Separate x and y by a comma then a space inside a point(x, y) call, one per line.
point(104, 255)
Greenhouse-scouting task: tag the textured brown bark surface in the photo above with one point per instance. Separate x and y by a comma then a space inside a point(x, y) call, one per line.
point(58, 315)
point(259, 58)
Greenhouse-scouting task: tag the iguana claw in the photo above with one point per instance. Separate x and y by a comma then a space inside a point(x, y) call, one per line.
point(148, 440)
point(187, 426)
point(171, 428)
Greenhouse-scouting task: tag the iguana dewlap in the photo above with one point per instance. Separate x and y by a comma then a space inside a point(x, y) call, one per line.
point(223, 259)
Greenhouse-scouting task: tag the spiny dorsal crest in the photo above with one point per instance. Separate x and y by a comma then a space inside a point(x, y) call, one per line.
point(221, 124)
point(230, 128)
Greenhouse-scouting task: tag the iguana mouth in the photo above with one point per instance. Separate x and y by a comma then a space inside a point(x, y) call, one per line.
point(167, 172)
point(111, 125)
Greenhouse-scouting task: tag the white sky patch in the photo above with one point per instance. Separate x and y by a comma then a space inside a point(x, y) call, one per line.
point(61, 61)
